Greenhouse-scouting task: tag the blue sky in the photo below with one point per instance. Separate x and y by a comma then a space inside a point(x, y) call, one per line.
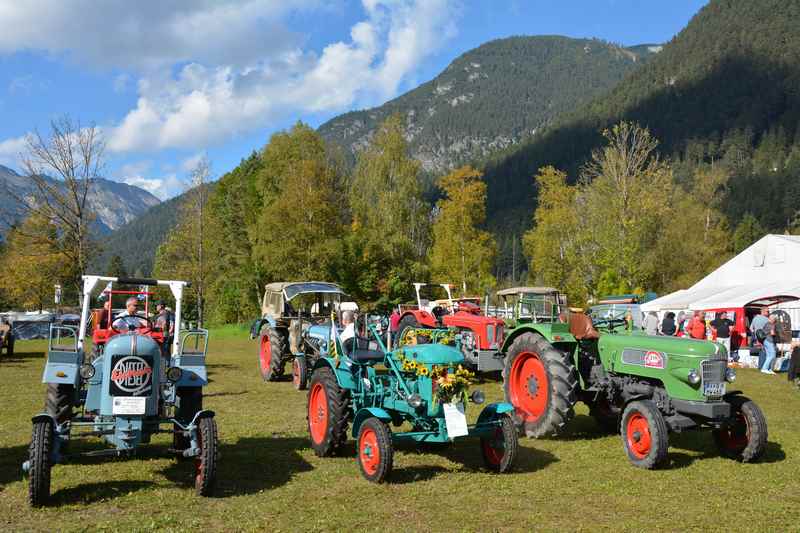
point(169, 81)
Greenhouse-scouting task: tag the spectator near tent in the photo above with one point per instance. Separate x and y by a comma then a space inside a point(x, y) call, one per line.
point(721, 327)
point(696, 328)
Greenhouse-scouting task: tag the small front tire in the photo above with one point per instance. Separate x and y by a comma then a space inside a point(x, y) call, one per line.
point(375, 450)
point(206, 461)
point(644, 432)
point(745, 437)
point(40, 463)
point(500, 450)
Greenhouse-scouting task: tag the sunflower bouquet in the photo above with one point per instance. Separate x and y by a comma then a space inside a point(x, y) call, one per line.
point(451, 384)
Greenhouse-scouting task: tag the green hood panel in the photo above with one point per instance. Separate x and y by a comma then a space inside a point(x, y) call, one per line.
point(675, 346)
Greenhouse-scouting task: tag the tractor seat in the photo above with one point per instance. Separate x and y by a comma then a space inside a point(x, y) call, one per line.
point(581, 327)
point(366, 356)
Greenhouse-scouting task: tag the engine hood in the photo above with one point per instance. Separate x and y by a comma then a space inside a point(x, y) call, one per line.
point(432, 354)
point(670, 345)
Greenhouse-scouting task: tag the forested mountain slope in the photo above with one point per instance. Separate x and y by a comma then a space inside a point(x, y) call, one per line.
point(494, 96)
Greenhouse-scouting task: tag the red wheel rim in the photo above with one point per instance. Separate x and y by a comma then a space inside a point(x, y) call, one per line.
point(318, 413)
point(368, 452)
point(736, 436)
point(638, 435)
point(494, 448)
point(265, 354)
point(296, 373)
point(528, 386)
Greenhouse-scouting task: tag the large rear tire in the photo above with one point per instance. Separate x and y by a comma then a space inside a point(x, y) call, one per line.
point(40, 464)
point(745, 437)
point(644, 432)
point(206, 462)
point(500, 450)
point(273, 347)
point(541, 383)
point(375, 450)
point(300, 373)
point(408, 322)
point(59, 400)
point(327, 413)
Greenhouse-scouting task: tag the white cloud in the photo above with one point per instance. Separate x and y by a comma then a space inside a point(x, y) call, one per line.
point(202, 104)
point(11, 150)
point(191, 162)
point(164, 187)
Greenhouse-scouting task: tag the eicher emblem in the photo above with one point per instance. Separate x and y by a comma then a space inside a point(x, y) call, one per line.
point(654, 359)
point(131, 375)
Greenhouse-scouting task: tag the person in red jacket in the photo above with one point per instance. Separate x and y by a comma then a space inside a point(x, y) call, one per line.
point(394, 325)
point(697, 326)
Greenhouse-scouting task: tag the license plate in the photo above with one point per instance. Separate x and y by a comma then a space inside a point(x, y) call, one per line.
point(714, 389)
point(129, 405)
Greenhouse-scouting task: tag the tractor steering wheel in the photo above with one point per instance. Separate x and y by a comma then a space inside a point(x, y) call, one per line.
point(610, 323)
point(123, 320)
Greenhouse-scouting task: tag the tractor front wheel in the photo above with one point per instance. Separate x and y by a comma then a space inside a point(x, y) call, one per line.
point(270, 356)
point(206, 461)
point(327, 413)
point(58, 403)
point(300, 373)
point(500, 450)
point(39, 463)
point(744, 437)
point(541, 383)
point(375, 451)
point(644, 434)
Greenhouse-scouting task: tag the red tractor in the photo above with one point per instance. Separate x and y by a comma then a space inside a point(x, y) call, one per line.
point(481, 337)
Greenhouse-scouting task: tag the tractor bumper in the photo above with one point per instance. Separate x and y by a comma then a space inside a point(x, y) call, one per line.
point(711, 410)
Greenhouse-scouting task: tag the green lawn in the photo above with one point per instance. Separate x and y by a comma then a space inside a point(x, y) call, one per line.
point(269, 478)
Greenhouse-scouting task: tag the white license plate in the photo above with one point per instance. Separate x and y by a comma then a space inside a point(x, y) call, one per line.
point(129, 405)
point(714, 389)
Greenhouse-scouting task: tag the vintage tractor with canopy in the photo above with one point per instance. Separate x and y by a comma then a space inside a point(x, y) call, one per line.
point(295, 326)
point(480, 337)
point(423, 386)
point(639, 385)
point(132, 388)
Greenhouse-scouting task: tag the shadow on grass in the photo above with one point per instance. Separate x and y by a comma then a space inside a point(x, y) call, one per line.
point(96, 492)
point(217, 394)
point(11, 460)
point(582, 427)
point(20, 356)
point(703, 442)
point(250, 466)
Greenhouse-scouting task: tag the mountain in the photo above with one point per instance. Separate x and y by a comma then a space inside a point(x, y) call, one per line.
point(114, 203)
point(725, 90)
point(494, 97)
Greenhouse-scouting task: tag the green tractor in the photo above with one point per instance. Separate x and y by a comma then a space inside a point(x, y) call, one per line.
point(642, 386)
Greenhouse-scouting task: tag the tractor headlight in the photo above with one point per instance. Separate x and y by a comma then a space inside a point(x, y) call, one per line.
point(174, 373)
point(415, 400)
point(86, 371)
point(730, 375)
point(693, 377)
point(477, 397)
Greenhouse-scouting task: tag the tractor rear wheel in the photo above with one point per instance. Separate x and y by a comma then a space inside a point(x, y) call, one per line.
point(541, 383)
point(745, 437)
point(189, 403)
point(644, 434)
point(300, 373)
point(406, 323)
point(274, 344)
point(39, 462)
point(58, 402)
point(375, 451)
point(206, 461)
point(327, 413)
point(500, 450)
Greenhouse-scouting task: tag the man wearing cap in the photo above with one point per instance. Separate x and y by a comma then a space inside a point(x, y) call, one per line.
point(166, 323)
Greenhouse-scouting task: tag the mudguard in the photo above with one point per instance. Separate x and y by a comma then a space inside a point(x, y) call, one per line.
point(369, 412)
point(494, 411)
point(344, 376)
point(61, 373)
point(44, 416)
point(255, 329)
point(193, 376)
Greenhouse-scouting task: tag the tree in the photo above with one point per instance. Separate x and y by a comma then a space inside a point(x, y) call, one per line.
point(116, 267)
point(748, 231)
point(73, 155)
point(31, 266)
point(301, 216)
point(461, 250)
point(390, 218)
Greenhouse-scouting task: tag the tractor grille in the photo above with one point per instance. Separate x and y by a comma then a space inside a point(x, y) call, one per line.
point(714, 371)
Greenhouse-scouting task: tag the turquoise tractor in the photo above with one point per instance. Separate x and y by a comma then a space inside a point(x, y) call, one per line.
point(422, 386)
point(638, 385)
point(133, 384)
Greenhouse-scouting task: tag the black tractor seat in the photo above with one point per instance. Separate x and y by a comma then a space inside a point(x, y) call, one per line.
point(366, 356)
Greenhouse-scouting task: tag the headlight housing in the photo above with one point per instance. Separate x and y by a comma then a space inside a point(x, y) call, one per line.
point(86, 371)
point(730, 375)
point(693, 377)
point(174, 373)
point(477, 397)
point(415, 400)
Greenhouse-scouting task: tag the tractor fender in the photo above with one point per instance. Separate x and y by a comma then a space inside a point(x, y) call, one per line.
point(61, 373)
point(423, 318)
point(41, 417)
point(563, 341)
point(341, 369)
point(369, 412)
point(255, 329)
point(494, 411)
point(192, 376)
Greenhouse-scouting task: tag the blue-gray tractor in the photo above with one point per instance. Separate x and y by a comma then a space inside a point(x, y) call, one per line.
point(133, 384)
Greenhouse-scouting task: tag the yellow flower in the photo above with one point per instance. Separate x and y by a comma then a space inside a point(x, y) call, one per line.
point(422, 371)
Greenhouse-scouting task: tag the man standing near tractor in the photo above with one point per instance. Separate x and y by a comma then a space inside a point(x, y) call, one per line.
point(166, 323)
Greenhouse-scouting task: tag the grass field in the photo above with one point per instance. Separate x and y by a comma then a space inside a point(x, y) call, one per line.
point(270, 479)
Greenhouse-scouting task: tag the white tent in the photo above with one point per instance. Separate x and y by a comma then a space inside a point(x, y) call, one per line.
point(767, 272)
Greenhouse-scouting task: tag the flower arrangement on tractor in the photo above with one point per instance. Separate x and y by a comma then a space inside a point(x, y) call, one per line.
point(423, 385)
point(638, 385)
point(136, 384)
